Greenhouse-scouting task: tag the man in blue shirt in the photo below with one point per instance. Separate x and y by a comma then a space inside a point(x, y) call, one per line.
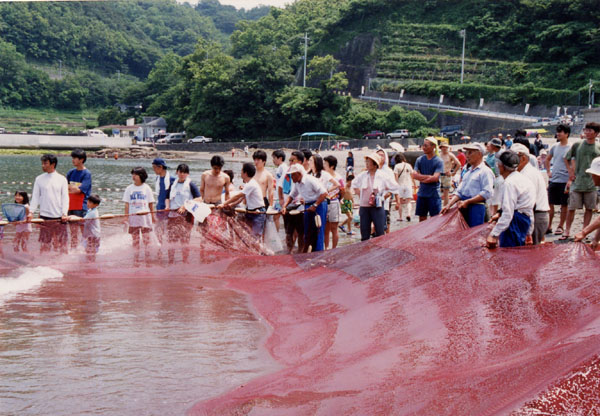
point(475, 188)
point(162, 185)
point(80, 188)
point(428, 169)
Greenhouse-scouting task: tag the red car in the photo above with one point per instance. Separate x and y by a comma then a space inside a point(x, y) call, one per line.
point(375, 134)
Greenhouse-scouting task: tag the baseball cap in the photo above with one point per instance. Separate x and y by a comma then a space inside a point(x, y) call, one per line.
point(509, 159)
point(594, 167)
point(297, 168)
point(474, 146)
point(496, 142)
point(159, 162)
point(519, 148)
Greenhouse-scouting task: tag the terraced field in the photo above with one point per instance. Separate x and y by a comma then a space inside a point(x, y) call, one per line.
point(421, 52)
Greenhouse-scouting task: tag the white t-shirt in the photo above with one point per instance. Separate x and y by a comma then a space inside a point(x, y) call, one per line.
point(139, 198)
point(253, 193)
point(403, 170)
point(280, 173)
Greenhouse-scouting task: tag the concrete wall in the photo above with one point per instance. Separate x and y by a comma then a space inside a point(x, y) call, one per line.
point(50, 141)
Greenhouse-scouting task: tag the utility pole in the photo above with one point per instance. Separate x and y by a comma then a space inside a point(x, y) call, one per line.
point(60, 69)
point(590, 94)
point(305, 57)
point(463, 34)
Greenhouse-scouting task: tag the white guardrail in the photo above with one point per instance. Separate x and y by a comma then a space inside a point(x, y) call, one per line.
point(464, 110)
point(16, 141)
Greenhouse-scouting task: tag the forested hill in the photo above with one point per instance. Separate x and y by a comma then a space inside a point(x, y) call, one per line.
point(512, 46)
point(109, 36)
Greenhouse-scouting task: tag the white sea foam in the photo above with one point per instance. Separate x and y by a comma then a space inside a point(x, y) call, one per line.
point(28, 278)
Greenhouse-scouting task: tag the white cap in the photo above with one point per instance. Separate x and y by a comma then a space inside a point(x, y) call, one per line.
point(297, 168)
point(475, 146)
point(520, 149)
point(594, 167)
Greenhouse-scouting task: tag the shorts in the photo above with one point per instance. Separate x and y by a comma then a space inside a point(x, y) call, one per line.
point(333, 211)
point(446, 181)
point(347, 206)
point(428, 205)
point(77, 212)
point(405, 192)
point(557, 195)
point(53, 230)
point(578, 200)
point(256, 220)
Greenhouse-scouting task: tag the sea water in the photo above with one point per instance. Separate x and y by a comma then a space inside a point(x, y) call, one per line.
point(113, 344)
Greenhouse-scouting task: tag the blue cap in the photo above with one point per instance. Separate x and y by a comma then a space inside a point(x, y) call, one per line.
point(160, 162)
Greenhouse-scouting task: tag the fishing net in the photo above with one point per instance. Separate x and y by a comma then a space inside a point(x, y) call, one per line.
point(421, 321)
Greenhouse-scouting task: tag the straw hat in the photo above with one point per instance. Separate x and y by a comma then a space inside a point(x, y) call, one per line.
point(375, 158)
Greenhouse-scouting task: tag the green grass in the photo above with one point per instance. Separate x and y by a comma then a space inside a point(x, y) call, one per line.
point(47, 120)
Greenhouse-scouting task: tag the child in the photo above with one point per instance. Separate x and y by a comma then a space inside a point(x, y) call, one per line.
point(91, 228)
point(180, 222)
point(138, 197)
point(348, 205)
point(22, 230)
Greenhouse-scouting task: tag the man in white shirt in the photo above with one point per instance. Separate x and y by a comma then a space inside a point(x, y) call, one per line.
point(515, 218)
point(253, 197)
point(541, 210)
point(278, 157)
point(51, 194)
point(312, 192)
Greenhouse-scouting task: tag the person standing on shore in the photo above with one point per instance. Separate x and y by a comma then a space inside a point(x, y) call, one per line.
point(476, 187)
point(80, 187)
point(451, 166)
point(293, 224)
point(582, 191)
point(371, 185)
point(51, 194)
point(558, 176)
point(312, 193)
point(515, 218)
point(428, 169)
point(594, 171)
point(406, 184)
point(541, 208)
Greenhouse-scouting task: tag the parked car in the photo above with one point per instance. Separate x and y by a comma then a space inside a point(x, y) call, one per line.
point(96, 133)
point(159, 138)
point(174, 138)
point(200, 139)
point(375, 134)
point(2, 130)
point(399, 134)
point(454, 131)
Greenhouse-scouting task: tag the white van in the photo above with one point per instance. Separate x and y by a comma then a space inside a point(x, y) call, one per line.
point(96, 133)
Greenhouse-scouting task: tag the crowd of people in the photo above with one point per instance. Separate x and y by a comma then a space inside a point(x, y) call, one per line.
point(501, 182)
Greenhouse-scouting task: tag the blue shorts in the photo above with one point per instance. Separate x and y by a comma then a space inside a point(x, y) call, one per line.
point(428, 205)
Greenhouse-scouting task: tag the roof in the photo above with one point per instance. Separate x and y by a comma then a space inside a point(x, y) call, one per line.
point(318, 134)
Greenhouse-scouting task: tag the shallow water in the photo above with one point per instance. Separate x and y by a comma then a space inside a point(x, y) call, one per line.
point(108, 346)
point(113, 343)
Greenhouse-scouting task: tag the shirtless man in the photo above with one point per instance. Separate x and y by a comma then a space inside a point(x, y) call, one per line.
point(451, 166)
point(263, 177)
point(213, 182)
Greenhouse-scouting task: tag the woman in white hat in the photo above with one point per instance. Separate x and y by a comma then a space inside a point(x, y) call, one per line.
point(371, 185)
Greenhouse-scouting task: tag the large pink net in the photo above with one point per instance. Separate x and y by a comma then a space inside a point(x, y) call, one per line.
point(422, 321)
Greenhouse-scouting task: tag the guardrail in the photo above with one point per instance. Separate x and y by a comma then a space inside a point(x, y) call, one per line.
point(484, 113)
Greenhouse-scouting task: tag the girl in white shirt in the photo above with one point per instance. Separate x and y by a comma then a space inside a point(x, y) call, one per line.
point(138, 197)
